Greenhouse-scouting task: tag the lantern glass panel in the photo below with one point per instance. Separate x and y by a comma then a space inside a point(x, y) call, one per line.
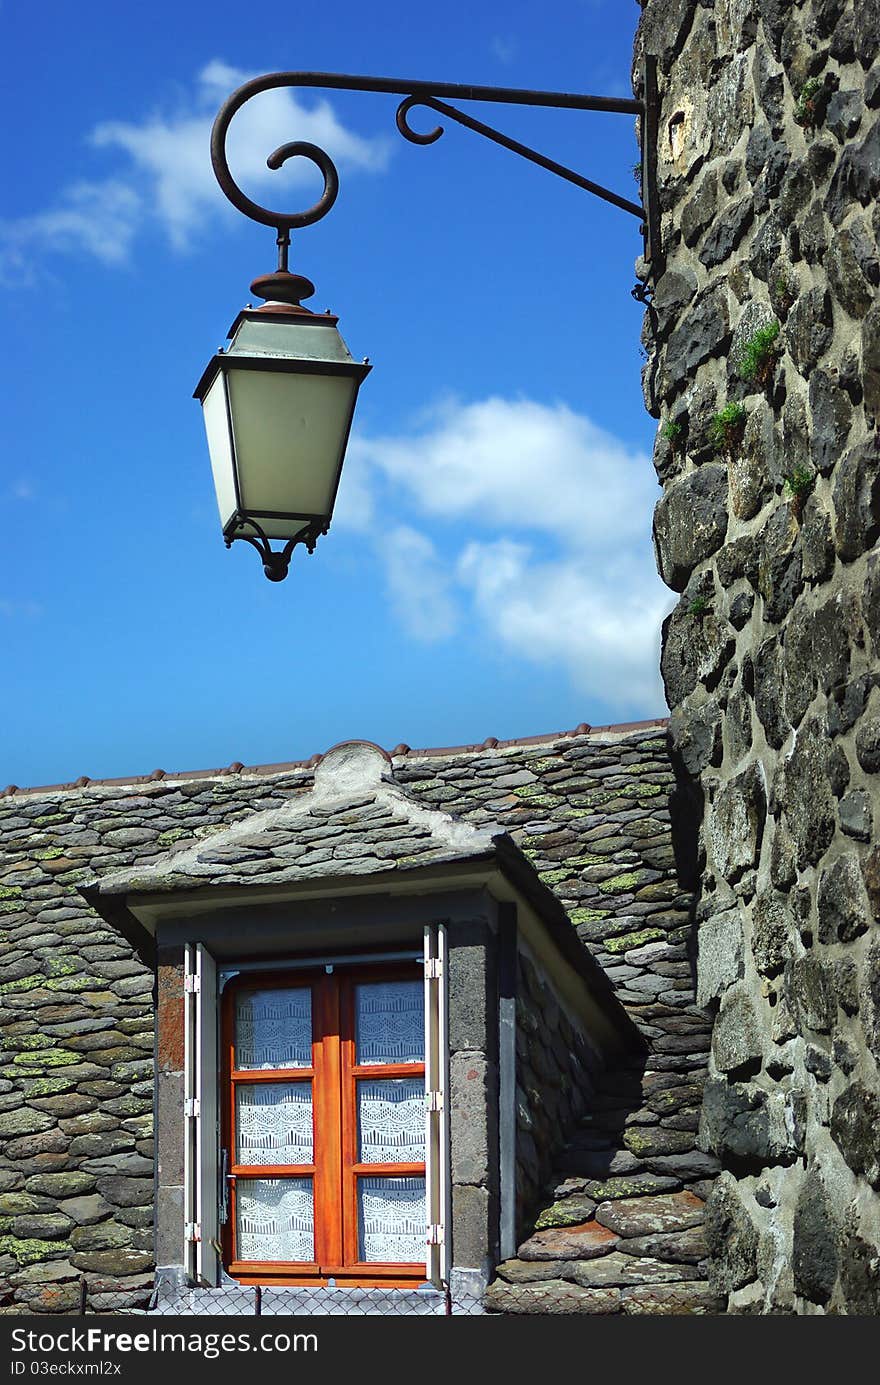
point(220, 448)
point(305, 341)
point(290, 431)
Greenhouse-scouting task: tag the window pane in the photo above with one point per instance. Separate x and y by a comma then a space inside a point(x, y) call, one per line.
point(391, 1219)
point(390, 1022)
point(273, 1123)
point(391, 1121)
point(274, 1219)
point(273, 1029)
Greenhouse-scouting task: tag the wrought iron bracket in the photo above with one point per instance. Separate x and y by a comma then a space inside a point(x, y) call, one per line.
point(432, 95)
point(275, 563)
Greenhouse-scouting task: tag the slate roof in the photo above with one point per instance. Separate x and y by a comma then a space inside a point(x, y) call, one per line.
point(589, 809)
point(352, 821)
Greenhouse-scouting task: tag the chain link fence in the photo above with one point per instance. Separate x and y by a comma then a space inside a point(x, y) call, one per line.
point(238, 1300)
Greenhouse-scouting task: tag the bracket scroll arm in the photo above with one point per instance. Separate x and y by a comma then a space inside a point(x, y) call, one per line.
point(431, 95)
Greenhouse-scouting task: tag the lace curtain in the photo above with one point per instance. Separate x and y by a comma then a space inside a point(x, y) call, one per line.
point(390, 1022)
point(275, 1219)
point(391, 1121)
point(273, 1029)
point(274, 1123)
point(391, 1216)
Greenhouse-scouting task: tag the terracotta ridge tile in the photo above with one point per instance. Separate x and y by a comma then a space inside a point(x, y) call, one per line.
point(401, 751)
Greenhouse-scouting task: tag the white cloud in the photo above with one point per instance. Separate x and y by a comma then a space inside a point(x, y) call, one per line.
point(551, 516)
point(98, 219)
point(524, 466)
point(355, 505)
point(601, 624)
point(171, 153)
point(165, 176)
point(418, 584)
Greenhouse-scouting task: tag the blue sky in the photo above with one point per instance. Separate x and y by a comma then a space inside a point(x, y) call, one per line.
point(489, 569)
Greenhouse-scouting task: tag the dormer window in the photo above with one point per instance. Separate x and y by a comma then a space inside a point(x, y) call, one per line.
point(347, 986)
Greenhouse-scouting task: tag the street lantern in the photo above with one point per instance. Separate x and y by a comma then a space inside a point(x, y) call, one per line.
point(279, 400)
point(278, 405)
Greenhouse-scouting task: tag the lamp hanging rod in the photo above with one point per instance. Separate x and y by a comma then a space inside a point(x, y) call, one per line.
point(430, 94)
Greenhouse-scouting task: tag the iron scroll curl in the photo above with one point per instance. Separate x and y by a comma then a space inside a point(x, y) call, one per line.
point(403, 125)
point(282, 221)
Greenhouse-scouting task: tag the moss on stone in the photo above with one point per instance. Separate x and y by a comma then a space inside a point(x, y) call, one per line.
point(62, 980)
point(636, 1143)
point(536, 796)
point(176, 834)
point(588, 915)
point(10, 892)
point(629, 940)
point(26, 1043)
point(46, 1086)
point(48, 853)
point(23, 983)
point(613, 1188)
point(48, 818)
point(619, 884)
point(30, 1252)
point(568, 1211)
point(48, 1058)
point(10, 906)
point(68, 983)
point(594, 798)
point(60, 966)
point(553, 877)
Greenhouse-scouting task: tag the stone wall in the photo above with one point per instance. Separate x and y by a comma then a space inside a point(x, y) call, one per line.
point(763, 346)
point(556, 1071)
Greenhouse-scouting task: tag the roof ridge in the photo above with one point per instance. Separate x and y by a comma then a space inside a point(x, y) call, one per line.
point(285, 766)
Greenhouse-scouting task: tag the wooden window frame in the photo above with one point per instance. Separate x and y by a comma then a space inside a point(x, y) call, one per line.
point(334, 1075)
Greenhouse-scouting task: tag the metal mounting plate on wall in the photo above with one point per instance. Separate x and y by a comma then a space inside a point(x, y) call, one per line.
point(649, 133)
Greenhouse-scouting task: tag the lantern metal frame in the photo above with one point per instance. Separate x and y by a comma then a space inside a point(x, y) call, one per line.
point(277, 562)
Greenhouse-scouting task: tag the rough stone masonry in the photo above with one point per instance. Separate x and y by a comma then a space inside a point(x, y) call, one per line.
point(763, 369)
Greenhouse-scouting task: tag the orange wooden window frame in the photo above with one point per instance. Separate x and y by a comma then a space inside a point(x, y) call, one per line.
point(334, 1075)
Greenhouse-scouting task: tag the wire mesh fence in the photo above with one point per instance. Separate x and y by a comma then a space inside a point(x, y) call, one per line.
point(238, 1300)
point(303, 1301)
